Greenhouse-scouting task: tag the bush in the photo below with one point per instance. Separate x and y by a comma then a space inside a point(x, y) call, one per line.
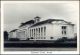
point(28, 39)
point(63, 39)
point(14, 39)
point(31, 37)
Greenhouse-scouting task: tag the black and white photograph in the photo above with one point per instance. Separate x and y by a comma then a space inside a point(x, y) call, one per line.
point(40, 26)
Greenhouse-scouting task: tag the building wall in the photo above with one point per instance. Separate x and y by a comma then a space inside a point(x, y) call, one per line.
point(12, 35)
point(21, 34)
point(57, 31)
point(38, 32)
point(70, 31)
point(48, 31)
point(52, 32)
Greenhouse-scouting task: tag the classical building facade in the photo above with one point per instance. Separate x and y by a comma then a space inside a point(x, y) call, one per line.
point(50, 29)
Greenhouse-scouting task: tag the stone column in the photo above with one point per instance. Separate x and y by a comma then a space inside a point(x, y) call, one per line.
point(43, 33)
point(30, 32)
point(40, 32)
point(33, 32)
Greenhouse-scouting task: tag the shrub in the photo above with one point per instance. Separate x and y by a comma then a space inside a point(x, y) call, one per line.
point(28, 39)
point(14, 39)
point(62, 39)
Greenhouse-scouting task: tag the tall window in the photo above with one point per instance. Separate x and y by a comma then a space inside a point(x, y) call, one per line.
point(64, 30)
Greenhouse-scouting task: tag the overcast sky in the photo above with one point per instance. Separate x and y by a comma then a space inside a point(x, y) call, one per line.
point(15, 13)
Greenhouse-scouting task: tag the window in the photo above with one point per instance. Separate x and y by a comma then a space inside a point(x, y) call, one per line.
point(63, 27)
point(64, 30)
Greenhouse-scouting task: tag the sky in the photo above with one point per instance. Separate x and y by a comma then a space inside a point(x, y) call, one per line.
point(16, 13)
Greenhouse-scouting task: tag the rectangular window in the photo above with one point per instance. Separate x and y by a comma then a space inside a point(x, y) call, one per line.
point(63, 27)
point(64, 30)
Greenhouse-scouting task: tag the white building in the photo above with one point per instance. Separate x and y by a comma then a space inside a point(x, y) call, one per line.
point(13, 33)
point(50, 29)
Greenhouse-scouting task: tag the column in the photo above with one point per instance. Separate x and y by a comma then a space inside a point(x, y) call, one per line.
point(40, 32)
point(43, 33)
point(35, 33)
point(30, 33)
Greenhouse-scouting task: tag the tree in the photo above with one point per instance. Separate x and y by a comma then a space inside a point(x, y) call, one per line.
point(5, 35)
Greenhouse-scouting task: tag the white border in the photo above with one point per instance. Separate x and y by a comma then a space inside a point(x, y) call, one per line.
point(29, 52)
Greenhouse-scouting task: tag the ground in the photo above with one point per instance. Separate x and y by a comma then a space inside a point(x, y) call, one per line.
point(40, 49)
point(39, 46)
